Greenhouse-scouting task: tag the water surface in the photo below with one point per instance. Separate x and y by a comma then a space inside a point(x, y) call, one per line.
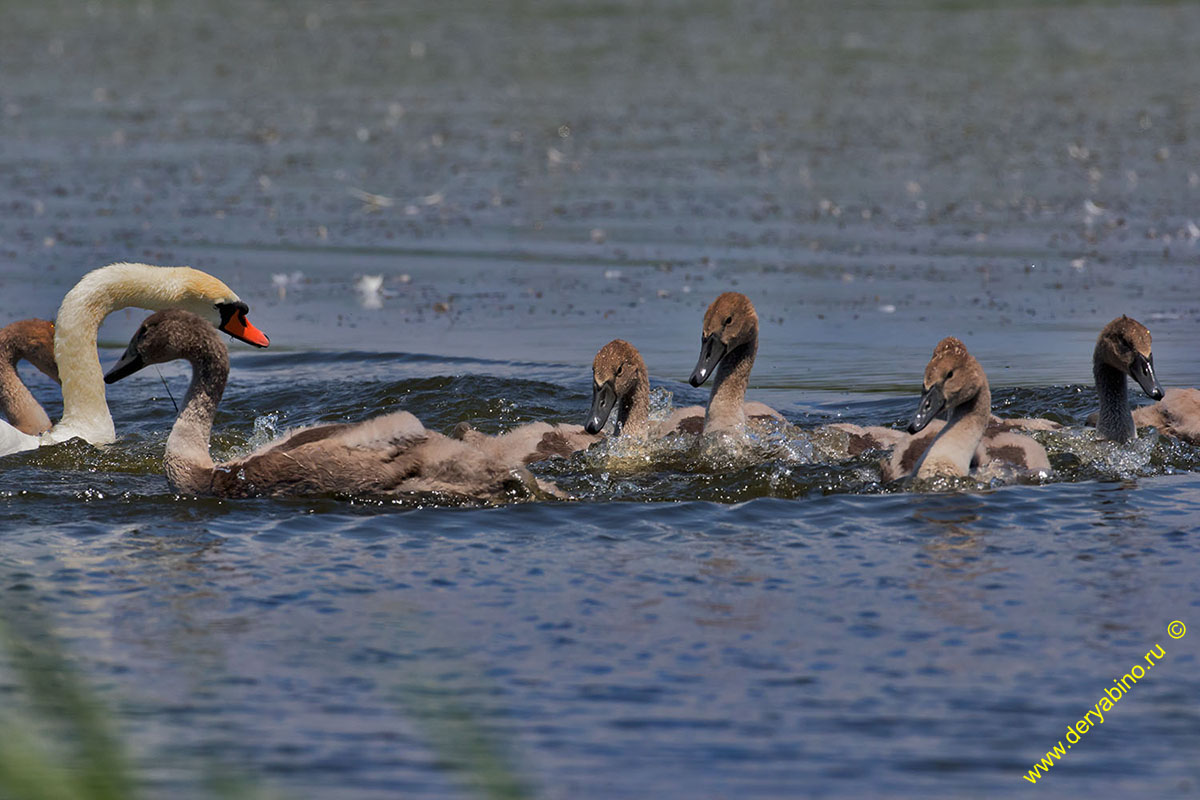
point(532, 179)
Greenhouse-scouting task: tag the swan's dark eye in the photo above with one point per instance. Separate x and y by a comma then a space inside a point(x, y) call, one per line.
point(728, 320)
point(228, 310)
point(949, 374)
point(620, 369)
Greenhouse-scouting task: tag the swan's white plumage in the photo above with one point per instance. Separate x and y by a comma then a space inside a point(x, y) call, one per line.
point(96, 295)
point(13, 441)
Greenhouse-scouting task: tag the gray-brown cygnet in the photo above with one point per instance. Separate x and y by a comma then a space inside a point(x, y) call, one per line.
point(728, 345)
point(30, 340)
point(389, 454)
point(956, 382)
point(1123, 351)
point(620, 381)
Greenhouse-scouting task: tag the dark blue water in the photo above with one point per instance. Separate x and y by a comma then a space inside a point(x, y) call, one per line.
point(541, 178)
point(916, 645)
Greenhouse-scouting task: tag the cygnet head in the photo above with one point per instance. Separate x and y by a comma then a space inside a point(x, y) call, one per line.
point(729, 322)
point(33, 340)
point(952, 377)
point(1124, 344)
point(165, 336)
point(616, 371)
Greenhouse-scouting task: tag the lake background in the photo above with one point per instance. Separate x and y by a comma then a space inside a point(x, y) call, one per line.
point(532, 180)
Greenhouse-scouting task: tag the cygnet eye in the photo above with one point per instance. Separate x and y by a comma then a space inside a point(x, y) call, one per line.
point(728, 320)
point(949, 374)
point(620, 369)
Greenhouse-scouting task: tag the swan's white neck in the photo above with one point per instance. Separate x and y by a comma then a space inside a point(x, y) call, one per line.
point(98, 294)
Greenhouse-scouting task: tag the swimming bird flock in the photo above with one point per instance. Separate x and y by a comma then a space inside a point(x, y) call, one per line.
point(396, 455)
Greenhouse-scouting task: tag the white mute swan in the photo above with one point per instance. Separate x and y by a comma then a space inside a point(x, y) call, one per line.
point(94, 297)
point(390, 454)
